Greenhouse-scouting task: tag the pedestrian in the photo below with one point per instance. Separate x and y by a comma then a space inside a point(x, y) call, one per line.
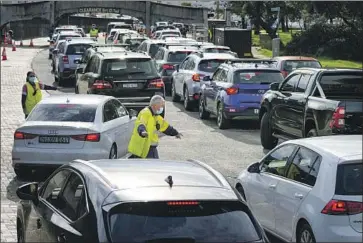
point(144, 139)
point(93, 33)
point(32, 93)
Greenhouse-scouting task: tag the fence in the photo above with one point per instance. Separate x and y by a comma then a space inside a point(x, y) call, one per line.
point(29, 29)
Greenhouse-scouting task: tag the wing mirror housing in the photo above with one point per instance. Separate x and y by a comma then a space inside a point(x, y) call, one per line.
point(206, 78)
point(79, 70)
point(28, 191)
point(274, 86)
point(176, 66)
point(132, 113)
point(254, 168)
point(55, 51)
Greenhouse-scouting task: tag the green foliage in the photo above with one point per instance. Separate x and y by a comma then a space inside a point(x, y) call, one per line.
point(186, 4)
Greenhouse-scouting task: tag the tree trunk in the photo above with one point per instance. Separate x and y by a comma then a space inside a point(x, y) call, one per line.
point(287, 23)
point(243, 22)
point(283, 24)
point(257, 18)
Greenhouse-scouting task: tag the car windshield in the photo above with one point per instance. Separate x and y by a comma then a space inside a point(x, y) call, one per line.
point(154, 49)
point(257, 77)
point(178, 56)
point(342, 84)
point(64, 37)
point(63, 113)
point(134, 41)
point(349, 179)
point(216, 50)
point(171, 33)
point(203, 222)
point(210, 66)
point(131, 66)
point(59, 30)
point(291, 65)
point(77, 49)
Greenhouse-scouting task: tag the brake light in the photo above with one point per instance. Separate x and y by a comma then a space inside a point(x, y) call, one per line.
point(168, 67)
point(22, 135)
point(156, 83)
point(93, 137)
point(232, 91)
point(338, 120)
point(196, 77)
point(101, 84)
point(182, 203)
point(65, 59)
point(284, 73)
point(338, 207)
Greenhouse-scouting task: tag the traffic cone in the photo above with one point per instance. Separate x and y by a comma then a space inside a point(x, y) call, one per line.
point(21, 43)
point(14, 46)
point(4, 57)
point(31, 43)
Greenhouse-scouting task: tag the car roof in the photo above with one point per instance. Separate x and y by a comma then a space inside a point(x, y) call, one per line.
point(75, 99)
point(181, 48)
point(208, 56)
point(214, 46)
point(80, 41)
point(109, 49)
point(337, 145)
point(295, 58)
point(69, 33)
point(125, 55)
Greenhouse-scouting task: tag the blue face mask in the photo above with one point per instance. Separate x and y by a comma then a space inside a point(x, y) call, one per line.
point(31, 79)
point(160, 110)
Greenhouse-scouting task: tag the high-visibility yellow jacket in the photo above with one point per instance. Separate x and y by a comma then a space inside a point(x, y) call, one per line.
point(32, 99)
point(140, 146)
point(210, 34)
point(93, 33)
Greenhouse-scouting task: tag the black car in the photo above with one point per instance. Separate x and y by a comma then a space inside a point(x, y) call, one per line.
point(135, 201)
point(131, 77)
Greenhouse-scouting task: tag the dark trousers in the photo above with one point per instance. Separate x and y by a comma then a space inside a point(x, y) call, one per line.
point(153, 154)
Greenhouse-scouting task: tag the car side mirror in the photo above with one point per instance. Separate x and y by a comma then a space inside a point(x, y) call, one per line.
point(77, 61)
point(132, 113)
point(176, 66)
point(28, 191)
point(274, 86)
point(55, 51)
point(206, 78)
point(254, 168)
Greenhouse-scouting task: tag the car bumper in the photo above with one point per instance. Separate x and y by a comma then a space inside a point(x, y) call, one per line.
point(336, 233)
point(167, 81)
point(250, 113)
point(68, 73)
point(194, 93)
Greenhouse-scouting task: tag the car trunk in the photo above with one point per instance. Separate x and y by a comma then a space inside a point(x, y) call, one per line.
point(251, 93)
point(50, 135)
point(129, 88)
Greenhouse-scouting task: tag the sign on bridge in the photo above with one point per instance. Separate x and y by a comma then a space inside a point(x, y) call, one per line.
point(99, 10)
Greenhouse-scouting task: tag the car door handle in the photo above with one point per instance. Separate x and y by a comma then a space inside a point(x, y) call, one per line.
point(299, 195)
point(272, 186)
point(61, 238)
point(39, 224)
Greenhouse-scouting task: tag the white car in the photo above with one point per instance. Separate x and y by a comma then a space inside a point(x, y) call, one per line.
point(308, 190)
point(62, 128)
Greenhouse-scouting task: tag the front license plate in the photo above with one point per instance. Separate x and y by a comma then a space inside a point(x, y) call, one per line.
point(256, 111)
point(53, 139)
point(130, 85)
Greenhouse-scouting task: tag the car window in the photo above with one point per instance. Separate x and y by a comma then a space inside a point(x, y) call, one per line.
point(217, 74)
point(257, 77)
point(138, 67)
point(153, 49)
point(303, 83)
point(77, 49)
point(291, 65)
point(177, 56)
point(290, 84)
point(70, 199)
point(223, 76)
point(90, 65)
point(275, 162)
point(121, 111)
point(210, 65)
point(191, 65)
point(96, 65)
point(182, 66)
point(347, 84)
point(304, 167)
point(109, 112)
point(55, 184)
point(349, 178)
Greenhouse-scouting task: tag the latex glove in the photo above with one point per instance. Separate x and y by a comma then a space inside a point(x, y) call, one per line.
point(179, 136)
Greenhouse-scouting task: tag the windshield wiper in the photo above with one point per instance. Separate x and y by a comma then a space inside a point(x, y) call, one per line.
point(172, 240)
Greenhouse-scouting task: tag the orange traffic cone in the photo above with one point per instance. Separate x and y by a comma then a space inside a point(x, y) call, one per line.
point(4, 57)
point(14, 46)
point(21, 43)
point(31, 43)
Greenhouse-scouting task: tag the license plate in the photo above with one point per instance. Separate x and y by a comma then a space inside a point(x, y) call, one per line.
point(130, 85)
point(256, 111)
point(53, 139)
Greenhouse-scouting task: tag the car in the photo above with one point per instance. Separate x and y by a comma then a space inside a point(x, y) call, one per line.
point(53, 40)
point(287, 64)
point(235, 91)
point(163, 32)
point(308, 188)
point(64, 35)
point(133, 41)
point(166, 59)
point(60, 44)
point(161, 24)
point(217, 49)
point(138, 200)
point(150, 47)
point(65, 63)
point(178, 25)
point(62, 128)
point(189, 74)
point(81, 31)
point(117, 39)
point(131, 77)
point(109, 38)
point(168, 37)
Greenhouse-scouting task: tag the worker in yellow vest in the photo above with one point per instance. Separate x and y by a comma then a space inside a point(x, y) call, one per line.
point(145, 136)
point(32, 93)
point(93, 32)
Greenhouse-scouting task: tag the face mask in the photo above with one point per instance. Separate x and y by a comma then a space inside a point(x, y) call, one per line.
point(31, 79)
point(160, 110)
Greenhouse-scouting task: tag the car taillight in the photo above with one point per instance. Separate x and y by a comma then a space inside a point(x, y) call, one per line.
point(92, 137)
point(65, 59)
point(338, 118)
point(284, 73)
point(101, 84)
point(182, 203)
point(338, 207)
point(168, 67)
point(197, 77)
point(115, 42)
point(232, 91)
point(22, 135)
point(156, 83)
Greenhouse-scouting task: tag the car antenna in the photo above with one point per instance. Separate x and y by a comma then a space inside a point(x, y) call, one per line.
point(169, 180)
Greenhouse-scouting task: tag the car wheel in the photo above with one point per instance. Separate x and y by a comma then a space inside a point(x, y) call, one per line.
point(20, 234)
point(113, 152)
point(312, 133)
point(268, 141)
point(187, 102)
point(50, 56)
point(222, 121)
point(305, 234)
point(174, 96)
point(203, 114)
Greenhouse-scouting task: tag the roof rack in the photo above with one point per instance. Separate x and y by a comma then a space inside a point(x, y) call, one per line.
point(250, 60)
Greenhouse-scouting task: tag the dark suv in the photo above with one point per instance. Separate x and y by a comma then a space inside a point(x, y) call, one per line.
point(131, 77)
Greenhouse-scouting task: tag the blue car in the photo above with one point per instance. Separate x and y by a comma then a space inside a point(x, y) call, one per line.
point(235, 91)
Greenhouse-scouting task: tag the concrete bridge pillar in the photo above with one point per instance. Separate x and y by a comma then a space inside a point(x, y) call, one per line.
point(148, 16)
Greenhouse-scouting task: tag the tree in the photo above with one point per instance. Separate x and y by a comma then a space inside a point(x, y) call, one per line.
point(186, 4)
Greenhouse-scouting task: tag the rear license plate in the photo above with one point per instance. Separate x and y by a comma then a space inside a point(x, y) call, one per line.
point(53, 139)
point(256, 111)
point(129, 85)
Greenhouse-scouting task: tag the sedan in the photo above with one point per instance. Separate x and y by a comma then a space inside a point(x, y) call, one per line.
point(308, 190)
point(62, 128)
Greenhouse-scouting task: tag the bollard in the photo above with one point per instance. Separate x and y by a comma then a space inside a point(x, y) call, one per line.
point(21, 43)
point(4, 57)
point(31, 43)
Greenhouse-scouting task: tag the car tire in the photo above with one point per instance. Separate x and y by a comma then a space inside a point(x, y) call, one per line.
point(113, 152)
point(187, 103)
point(20, 234)
point(174, 96)
point(268, 141)
point(305, 234)
point(222, 121)
point(203, 114)
point(50, 56)
point(312, 133)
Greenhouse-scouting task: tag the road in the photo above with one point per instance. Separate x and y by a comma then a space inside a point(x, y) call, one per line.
point(229, 151)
